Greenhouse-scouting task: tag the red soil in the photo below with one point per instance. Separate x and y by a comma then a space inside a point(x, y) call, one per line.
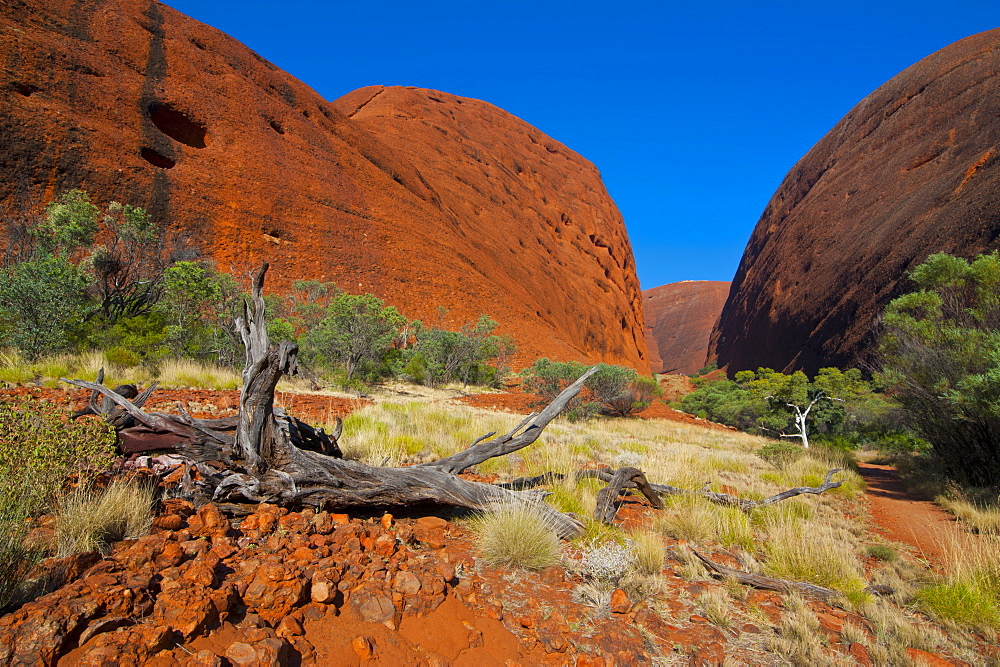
point(904, 518)
point(203, 403)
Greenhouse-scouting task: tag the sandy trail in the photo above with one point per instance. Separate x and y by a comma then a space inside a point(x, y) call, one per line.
point(902, 517)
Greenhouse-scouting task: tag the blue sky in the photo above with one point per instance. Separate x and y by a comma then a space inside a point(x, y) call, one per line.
point(693, 112)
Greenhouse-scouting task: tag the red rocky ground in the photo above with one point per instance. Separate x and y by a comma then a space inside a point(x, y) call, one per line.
point(280, 587)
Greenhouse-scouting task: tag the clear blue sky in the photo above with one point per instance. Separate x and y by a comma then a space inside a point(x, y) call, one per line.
point(693, 112)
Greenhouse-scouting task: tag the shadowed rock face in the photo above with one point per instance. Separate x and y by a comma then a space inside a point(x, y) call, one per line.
point(912, 170)
point(679, 321)
point(423, 198)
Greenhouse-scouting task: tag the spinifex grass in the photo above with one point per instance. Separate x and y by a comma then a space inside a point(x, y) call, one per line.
point(39, 449)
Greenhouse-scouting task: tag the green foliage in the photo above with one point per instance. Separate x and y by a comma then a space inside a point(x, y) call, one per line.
point(440, 356)
point(199, 306)
point(836, 406)
point(941, 356)
point(615, 390)
point(355, 329)
point(41, 303)
point(58, 290)
point(69, 223)
point(39, 448)
point(129, 267)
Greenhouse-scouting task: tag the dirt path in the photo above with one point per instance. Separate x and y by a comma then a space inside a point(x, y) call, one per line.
point(905, 518)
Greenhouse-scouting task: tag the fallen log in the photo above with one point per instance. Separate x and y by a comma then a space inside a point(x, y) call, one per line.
point(768, 583)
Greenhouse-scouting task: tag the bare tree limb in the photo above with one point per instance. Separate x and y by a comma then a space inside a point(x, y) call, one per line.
point(769, 583)
point(607, 507)
point(533, 426)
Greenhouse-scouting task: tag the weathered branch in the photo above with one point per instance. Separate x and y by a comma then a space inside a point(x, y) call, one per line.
point(607, 506)
point(768, 583)
point(606, 475)
point(533, 426)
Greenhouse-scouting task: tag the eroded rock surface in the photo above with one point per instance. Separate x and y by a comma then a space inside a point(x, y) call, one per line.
point(912, 170)
point(679, 321)
point(423, 198)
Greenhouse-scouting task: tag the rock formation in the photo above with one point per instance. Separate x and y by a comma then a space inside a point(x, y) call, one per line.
point(912, 170)
point(426, 199)
point(679, 321)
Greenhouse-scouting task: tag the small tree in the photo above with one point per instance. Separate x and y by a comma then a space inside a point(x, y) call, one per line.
point(614, 390)
point(940, 347)
point(200, 305)
point(41, 302)
point(356, 328)
point(129, 267)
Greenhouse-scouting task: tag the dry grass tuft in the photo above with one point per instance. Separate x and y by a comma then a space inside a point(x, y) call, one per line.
point(715, 605)
point(647, 553)
point(88, 521)
point(516, 536)
point(799, 639)
point(980, 518)
point(814, 553)
point(969, 594)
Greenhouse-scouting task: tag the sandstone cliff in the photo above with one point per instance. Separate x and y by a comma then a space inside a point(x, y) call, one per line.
point(679, 321)
point(423, 198)
point(912, 170)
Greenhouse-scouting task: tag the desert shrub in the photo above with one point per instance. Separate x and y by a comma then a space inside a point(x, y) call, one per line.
point(39, 448)
point(17, 557)
point(882, 552)
point(516, 536)
point(614, 390)
point(941, 355)
point(780, 454)
point(93, 521)
point(121, 356)
point(471, 355)
point(609, 562)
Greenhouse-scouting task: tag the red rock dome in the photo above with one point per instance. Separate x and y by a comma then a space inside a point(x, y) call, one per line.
point(423, 198)
point(912, 170)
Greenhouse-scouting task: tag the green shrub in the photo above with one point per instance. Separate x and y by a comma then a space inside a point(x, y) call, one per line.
point(781, 454)
point(882, 552)
point(120, 356)
point(941, 355)
point(613, 390)
point(39, 449)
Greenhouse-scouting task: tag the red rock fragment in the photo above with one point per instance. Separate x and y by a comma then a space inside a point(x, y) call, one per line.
point(860, 654)
point(925, 659)
point(364, 647)
point(620, 604)
point(289, 627)
point(375, 609)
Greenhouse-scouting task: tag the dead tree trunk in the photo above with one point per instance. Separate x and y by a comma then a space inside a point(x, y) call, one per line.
point(265, 455)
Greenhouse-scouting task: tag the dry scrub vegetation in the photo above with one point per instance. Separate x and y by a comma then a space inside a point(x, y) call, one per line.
point(818, 539)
